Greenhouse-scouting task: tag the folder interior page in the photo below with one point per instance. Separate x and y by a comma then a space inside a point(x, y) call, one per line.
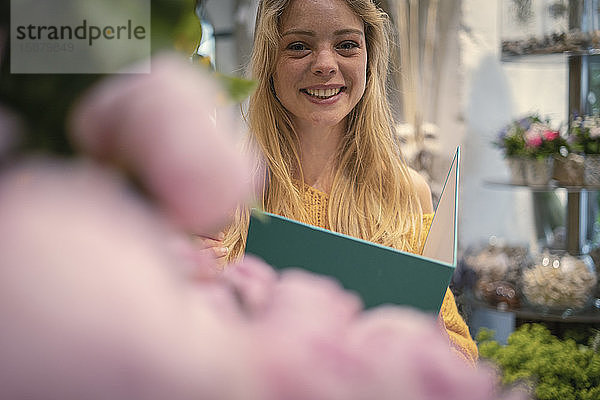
point(441, 241)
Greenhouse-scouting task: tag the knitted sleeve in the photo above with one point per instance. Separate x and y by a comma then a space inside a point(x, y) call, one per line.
point(457, 329)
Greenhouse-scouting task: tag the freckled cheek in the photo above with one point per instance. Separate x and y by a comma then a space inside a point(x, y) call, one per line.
point(288, 76)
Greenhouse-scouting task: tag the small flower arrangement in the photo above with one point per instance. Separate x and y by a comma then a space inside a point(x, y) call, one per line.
point(530, 137)
point(584, 134)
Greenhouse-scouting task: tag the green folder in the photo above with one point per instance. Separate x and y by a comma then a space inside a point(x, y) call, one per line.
point(379, 274)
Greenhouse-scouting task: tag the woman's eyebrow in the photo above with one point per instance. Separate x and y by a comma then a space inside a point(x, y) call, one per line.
point(349, 31)
point(312, 34)
point(298, 32)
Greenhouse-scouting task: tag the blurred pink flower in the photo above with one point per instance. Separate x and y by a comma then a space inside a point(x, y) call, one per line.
point(200, 265)
point(300, 332)
point(165, 127)
point(534, 141)
point(90, 307)
point(314, 341)
point(550, 135)
point(253, 281)
point(406, 353)
point(533, 138)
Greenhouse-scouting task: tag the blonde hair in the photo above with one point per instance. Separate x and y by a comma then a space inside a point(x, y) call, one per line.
point(372, 195)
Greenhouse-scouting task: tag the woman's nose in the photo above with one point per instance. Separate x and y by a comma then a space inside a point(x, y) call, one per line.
point(324, 63)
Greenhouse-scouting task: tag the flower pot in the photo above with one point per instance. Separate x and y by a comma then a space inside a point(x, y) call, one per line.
point(568, 171)
point(591, 169)
point(539, 172)
point(516, 166)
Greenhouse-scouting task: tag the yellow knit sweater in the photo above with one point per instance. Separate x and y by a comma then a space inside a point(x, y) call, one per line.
point(316, 203)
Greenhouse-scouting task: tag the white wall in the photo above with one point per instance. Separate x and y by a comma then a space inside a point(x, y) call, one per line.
point(493, 93)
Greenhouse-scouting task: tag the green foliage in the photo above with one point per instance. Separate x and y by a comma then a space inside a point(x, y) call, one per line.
point(513, 145)
point(237, 88)
point(560, 369)
point(174, 25)
point(187, 32)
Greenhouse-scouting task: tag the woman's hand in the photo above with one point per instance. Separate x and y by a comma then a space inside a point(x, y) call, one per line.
point(213, 245)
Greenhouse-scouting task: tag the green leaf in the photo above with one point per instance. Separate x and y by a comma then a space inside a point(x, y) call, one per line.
point(237, 88)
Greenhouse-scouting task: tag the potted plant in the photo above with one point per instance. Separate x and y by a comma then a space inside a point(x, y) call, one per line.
point(530, 145)
point(547, 366)
point(584, 136)
point(511, 140)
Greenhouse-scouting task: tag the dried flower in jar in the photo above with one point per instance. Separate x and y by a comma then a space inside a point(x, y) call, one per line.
point(561, 282)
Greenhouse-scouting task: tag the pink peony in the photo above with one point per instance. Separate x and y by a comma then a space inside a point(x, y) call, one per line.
point(407, 354)
point(253, 281)
point(314, 341)
point(550, 135)
point(534, 141)
point(166, 128)
point(90, 307)
point(534, 135)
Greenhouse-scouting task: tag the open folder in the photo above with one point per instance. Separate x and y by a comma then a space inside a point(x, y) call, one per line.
point(379, 274)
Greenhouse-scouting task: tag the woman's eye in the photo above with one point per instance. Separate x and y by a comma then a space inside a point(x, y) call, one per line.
point(348, 45)
point(297, 46)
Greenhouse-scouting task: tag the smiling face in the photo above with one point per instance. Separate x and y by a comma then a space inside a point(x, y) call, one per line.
point(320, 74)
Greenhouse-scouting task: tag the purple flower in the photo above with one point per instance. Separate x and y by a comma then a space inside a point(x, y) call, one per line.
point(525, 123)
point(503, 133)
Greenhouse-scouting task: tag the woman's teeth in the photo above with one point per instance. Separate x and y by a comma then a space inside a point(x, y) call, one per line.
point(323, 93)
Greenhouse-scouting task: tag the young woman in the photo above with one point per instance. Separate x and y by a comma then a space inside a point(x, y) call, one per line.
point(321, 122)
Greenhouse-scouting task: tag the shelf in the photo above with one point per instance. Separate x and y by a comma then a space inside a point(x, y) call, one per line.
point(540, 58)
point(583, 52)
point(587, 316)
point(553, 185)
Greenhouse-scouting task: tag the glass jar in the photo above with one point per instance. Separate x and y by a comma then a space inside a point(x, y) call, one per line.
point(559, 282)
point(496, 269)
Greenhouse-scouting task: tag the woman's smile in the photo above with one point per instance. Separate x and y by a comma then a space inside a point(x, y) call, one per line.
point(326, 95)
